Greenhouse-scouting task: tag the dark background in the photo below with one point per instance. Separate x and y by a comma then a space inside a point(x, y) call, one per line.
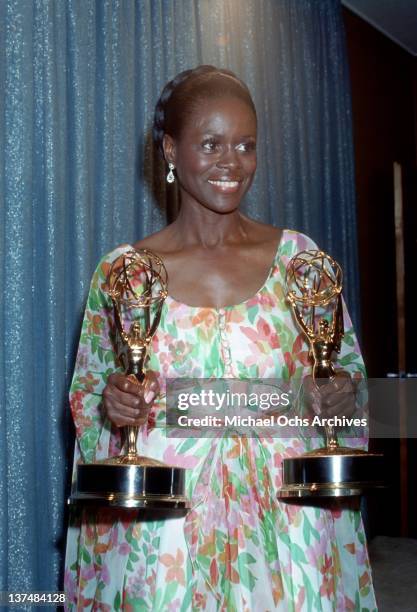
point(384, 105)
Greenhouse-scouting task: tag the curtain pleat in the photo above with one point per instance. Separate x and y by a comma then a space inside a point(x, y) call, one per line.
point(78, 84)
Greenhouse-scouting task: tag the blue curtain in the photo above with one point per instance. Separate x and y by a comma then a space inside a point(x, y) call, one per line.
point(78, 83)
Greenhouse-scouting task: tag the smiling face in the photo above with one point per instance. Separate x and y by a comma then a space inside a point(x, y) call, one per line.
point(215, 154)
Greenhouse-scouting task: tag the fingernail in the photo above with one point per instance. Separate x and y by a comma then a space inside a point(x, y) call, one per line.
point(149, 395)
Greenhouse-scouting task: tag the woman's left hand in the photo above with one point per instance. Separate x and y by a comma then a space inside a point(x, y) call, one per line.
point(333, 398)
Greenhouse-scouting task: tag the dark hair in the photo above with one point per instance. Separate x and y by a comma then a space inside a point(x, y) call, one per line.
point(181, 95)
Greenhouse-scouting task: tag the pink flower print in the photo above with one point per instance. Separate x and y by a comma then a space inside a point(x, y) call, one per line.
point(348, 605)
point(82, 358)
point(88, 382)
point(173, 606)
point(214, 572)
point(300, 600)
point(151, 582)
point(199, 601)
point(70, 586)
point(95, 324)
point(233, 521)
point(289, 362)
point(228, 557)
point(88, 572)
point(174, 565)
point(124, 548)
point(266, 301)
point(317, 551)
point(235, 316)
point(179, 350)
point(362, 556)
point(172, 458)
point(294, 449)
point(264, 337)
point(105, 575)
point(277, 588)
point(100, 548)
point(135, 584)
point(155, 344)
point(293, 513)
point(300, 351)
point(241, 542)
point(327, 569)
point(205, 317)
point(77, 409)
point(247, 507)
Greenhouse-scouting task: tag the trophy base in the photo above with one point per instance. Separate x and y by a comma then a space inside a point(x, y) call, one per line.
point(154, 488)
point(331, 472)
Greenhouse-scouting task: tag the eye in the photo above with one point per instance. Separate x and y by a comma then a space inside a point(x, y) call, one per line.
point(246, 147)
point(209, 144)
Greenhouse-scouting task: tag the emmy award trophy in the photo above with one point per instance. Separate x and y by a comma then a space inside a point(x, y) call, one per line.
point(314, 285)
point(137, 286)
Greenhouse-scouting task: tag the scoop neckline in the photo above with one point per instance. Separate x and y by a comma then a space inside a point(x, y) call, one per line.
point(171, 298)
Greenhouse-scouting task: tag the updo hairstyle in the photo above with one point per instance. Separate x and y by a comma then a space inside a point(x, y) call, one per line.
point(181, 96)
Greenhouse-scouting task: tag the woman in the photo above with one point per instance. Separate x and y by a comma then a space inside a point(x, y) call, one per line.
point(225, 316)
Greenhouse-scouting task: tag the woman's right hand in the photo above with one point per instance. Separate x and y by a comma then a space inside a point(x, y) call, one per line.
point(126, 402)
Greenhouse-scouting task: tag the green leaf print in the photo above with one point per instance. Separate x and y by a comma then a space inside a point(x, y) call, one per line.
point(246, 558)
point(95, 343)
point(128, 534)
point(269, 537)
point(108, 357)
point(158, 600)
point(146, 536)
point(186, 604)
point(287, 248)
point(309, 530)
point(220, 539)
point(252, 312)
point(94, 301)
point(204, 561)
point(214, 356)
point(297, 554)
point(169, 593)
point(185, 446)
point(348, 359)
point(349, 339)
point(246, 577)
point(117, 601)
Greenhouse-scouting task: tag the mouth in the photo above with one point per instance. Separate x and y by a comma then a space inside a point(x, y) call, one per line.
point(225, 186)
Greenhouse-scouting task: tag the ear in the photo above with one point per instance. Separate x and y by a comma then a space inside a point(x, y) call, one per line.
point(168, 145)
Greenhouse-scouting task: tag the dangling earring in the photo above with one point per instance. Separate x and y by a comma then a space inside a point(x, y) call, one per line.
point(170, 175)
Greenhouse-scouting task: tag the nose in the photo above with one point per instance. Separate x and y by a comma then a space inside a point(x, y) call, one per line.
point(229, 158)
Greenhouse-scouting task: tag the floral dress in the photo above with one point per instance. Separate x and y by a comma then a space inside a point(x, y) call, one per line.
point(240, 547)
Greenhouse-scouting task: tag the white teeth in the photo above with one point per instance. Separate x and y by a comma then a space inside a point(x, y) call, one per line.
point(225, 183)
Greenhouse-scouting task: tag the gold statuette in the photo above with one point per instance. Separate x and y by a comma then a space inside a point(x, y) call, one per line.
point(314, 288)
point(137, 285)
